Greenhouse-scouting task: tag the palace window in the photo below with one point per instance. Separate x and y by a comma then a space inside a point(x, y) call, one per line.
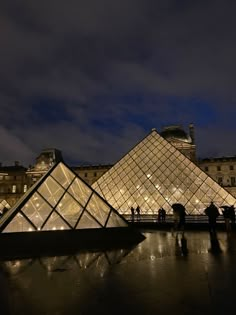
point(220, 180)
point(218, 168)
point(231, 167)
point(232, 180)
point(14, 189)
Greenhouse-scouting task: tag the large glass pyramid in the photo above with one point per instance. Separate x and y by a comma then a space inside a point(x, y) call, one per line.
point(155, 174)
point(60, 200)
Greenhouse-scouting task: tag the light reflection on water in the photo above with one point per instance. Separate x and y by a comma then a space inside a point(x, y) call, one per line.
point(69, 284)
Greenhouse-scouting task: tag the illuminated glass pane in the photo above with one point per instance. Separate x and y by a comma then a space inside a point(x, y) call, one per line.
point(51, 191)
point(18, 224)
point(55, 222)
point(80, 191)
point(98, 208)
point(37, 210)
point(69, 209)
point(63, 175)
point(87, 222)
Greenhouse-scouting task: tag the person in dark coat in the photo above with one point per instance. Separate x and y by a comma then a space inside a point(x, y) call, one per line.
point(212, 212)
point(179, 217)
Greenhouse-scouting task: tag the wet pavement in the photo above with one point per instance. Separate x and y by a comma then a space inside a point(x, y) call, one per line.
point(164, 274)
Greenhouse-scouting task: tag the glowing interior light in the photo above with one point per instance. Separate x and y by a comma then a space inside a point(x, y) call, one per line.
point(197, 201)
point(37, 204)
point(62, 227)
point(157, 186)
point(54, 228)
point(148, 175)
point(26, 205)
point(35, 198)
point(138, 186)
point(38, 228)
point(145, 198)
point(29, 229)
point(60, 204)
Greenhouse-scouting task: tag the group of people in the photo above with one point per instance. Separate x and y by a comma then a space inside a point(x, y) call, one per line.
point(228, 213)
point(136, 211)
point(179, 214)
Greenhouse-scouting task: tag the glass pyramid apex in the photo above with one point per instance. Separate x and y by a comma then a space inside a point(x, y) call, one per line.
point(60, 200)
point(154, 174)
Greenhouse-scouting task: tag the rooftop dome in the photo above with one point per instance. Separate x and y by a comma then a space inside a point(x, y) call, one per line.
point(175, 132)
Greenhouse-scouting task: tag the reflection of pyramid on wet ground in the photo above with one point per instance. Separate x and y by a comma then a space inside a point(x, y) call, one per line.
point(83, 260)
point(60, 200)
point(155, 174)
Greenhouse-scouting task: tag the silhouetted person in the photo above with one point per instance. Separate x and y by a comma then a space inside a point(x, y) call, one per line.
point(179, 217)
point(138, 213)
point(163, 215)
point(212, 212)
point(159, 215)
point(132, 213)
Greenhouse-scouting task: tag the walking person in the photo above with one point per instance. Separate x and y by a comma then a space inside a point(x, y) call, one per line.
point(212, 212)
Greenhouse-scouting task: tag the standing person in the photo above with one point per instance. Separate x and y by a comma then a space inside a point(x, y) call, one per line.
point(132, 213)
point(179, 217)
point(138, 213)
point(163, 215)
point(212, 212)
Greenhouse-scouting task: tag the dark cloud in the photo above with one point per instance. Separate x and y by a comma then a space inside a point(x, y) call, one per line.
point(93, 77)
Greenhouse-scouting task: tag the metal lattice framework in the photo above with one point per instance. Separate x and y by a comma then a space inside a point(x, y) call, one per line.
point(60, 200)
point(155, 174)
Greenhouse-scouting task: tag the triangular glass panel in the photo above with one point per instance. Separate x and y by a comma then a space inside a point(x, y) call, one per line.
point(87, 222)
point(163, 176)
point(55, 222)
point(37, 210)
point(98, 208)
point(115, 220)
point(80, 191)
point(70, 209)
point(51, 191)
point(63, 175)
point(19, 224)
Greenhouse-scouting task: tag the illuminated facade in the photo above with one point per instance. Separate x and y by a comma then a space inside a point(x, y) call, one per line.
point(60, 200)
point(155, 174)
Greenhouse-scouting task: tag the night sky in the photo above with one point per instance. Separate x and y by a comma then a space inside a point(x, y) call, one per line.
point(92, 78)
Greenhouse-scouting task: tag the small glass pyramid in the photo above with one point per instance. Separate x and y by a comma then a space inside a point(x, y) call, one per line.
point(60, 200)
point(155, 174)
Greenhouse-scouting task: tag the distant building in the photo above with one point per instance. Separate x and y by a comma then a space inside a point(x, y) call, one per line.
point(222, 170)
point(13, 182)
point(182, 141)
point(90, 173)
point(46, 159)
